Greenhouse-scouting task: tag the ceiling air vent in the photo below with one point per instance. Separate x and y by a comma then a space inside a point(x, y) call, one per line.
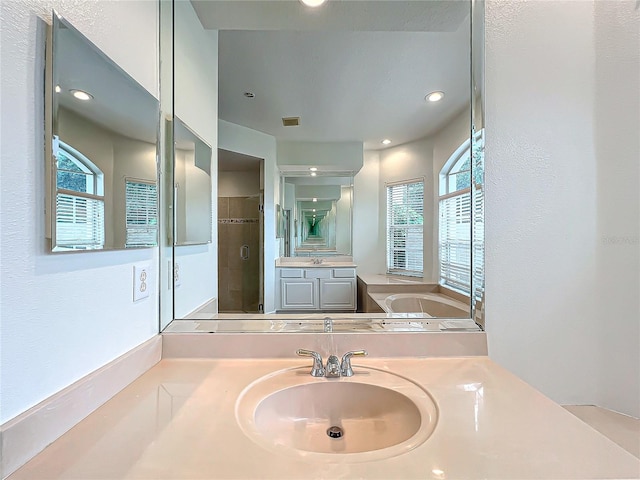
point(290, 121)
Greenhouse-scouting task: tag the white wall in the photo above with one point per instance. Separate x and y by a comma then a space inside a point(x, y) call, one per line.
point(62, 315)
point(339, 155)
point(561, 198)
point(410, 161)
point(239, 139)
point(617, 146)
point(238, 184)
point(344, 220)
point(196, 104)
point(368, 229)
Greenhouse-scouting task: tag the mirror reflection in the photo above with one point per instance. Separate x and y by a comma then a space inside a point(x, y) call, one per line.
point(367, 104)
point(316, 215)
point(103, 171)
point(192, 187)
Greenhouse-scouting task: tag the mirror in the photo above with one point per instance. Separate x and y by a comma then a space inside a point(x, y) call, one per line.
point(316, 215)
point(346, 88)
point(192, 191)
point(103, 170)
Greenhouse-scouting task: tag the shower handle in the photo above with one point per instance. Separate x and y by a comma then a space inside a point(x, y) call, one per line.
point(244, 252)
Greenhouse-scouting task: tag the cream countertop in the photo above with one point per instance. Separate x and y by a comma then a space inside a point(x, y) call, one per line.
point(307, 262)
point(177, 421)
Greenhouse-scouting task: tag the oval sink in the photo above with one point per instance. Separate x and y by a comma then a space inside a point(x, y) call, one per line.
point(377, 415)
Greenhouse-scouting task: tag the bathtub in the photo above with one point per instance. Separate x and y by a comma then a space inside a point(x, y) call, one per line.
point(434, 305)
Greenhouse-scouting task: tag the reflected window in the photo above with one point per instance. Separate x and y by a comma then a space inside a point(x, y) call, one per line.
point(79, 200)
point(141, 213)
point(405, 219)
point(455, 207)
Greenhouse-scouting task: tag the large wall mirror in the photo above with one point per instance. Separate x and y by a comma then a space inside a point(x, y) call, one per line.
point(102, 173)
point(368, 117)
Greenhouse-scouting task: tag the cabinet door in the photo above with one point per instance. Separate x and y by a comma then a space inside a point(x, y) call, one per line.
point(338, 294)
point(299, 294)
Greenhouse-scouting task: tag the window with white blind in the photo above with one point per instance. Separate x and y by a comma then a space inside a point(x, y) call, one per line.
point(141, 199)
point(405, 219)
point(79, 222)
point(461, 193)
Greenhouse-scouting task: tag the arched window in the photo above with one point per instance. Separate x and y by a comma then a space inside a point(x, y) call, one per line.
point(79, 200)
point(455, 207)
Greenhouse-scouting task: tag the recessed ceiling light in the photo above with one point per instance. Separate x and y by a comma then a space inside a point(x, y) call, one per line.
point(313, 169)
point(434, 96)
point(58, 89)
point(312, 3)
point(313, 174)
point(249, 94)
point(386, 141)
point(80, 95)
point(313, 209)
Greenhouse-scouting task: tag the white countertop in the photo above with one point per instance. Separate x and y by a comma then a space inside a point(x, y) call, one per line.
point(178, 421)
point(325, 262)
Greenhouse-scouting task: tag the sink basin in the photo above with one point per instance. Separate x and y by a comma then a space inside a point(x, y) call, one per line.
point(377, 415)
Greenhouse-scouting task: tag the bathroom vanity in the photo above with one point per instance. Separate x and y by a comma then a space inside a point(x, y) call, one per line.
point(209, 418)
point(316, 284)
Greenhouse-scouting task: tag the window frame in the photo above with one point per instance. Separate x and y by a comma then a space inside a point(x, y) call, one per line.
point(457, 264)
point(78, 206)
point(417, 230)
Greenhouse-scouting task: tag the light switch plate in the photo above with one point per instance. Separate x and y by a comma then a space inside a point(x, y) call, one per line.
point(141, 281)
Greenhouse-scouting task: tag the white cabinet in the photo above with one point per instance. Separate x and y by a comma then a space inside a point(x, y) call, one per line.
point(319, 288)
point(299, 294)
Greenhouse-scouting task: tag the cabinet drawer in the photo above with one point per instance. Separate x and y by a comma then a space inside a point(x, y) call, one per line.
point(291, 273)
point(344, 273)
point(317, 273)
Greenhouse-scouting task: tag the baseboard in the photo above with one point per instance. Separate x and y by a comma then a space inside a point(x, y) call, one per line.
point(204, 311)
point(24, 436)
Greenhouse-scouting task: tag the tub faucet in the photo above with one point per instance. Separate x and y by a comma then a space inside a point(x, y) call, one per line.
point(328, 325)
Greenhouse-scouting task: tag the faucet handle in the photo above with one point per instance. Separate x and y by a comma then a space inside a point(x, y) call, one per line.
point(345, 366)
point(317, 370)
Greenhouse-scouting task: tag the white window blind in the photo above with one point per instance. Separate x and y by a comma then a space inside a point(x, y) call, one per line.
point(405, 207)
point(141, 213)
point(79, 221)
point(455, 240)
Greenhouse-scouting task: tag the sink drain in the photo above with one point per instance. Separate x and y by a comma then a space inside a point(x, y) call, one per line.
point(335, 432)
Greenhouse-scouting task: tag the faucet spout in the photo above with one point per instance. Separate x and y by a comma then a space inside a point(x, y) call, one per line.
point(328, 325)
point(333, 367)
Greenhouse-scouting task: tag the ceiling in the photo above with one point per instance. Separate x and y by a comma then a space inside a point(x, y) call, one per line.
point(351, 70)
point(119, 103)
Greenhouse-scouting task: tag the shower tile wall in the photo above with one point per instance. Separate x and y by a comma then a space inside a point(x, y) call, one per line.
point(238, 279)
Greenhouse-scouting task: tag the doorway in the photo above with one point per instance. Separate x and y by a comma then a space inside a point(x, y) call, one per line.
point(240, 237)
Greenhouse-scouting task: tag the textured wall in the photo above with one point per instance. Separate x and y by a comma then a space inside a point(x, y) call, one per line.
point(196, 104)
point(549, 137)
point(64, 315)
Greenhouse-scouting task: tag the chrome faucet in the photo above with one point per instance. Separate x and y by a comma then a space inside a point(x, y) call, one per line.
point(334, 368)
point(345, 366)
point(328, 325)
point(317, 370)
